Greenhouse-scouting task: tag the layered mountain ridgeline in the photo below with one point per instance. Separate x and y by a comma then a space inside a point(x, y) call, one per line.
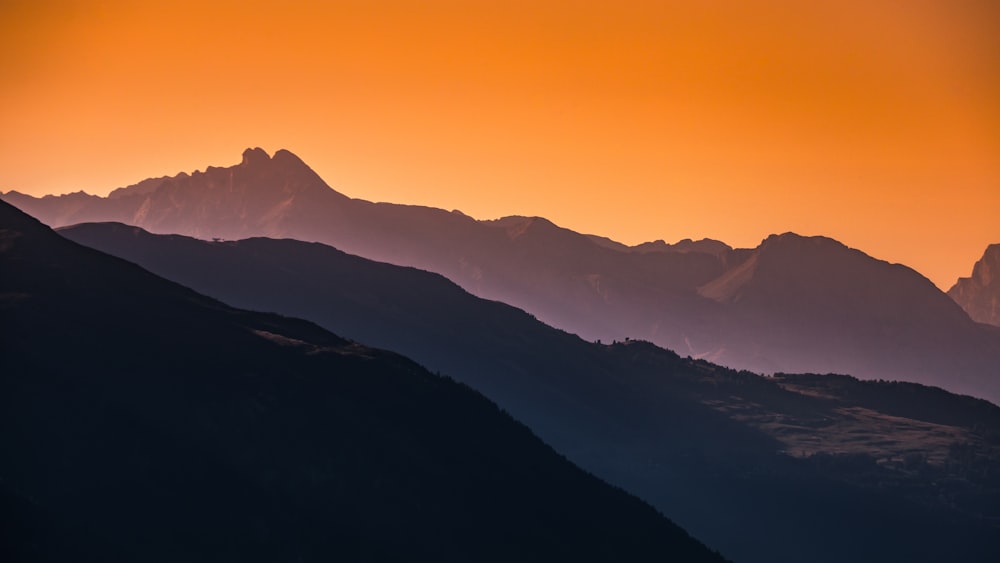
point(706, 246)
point(805, 304)
point(761, 468)
point(141, 421)
point(259, 195)
point(811, 301)
point(979, 294)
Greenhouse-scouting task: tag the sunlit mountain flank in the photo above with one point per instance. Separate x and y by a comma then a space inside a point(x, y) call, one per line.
point(979, 294)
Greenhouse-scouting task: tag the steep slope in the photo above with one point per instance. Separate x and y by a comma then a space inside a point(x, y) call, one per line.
point(731, 456)
point(979, 294)
point(677, 296)
point(141, 421)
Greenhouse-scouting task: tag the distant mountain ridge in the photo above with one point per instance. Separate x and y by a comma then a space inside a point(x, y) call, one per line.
point(979, 294)
point(706, 245)
point(703, 299)
point(260, 193)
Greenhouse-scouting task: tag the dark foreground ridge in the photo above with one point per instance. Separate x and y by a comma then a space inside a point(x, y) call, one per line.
point(141, 421)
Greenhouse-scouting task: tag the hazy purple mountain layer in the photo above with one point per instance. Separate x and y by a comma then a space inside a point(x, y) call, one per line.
point(979, 294)
point(728, 455)
point(631, 413)
point(791, 304)
point(141, 421)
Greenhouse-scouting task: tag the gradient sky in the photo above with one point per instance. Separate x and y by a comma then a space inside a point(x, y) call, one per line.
point(874, 122)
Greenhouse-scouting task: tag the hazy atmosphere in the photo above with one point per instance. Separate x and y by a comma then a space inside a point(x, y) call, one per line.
point(492, 281)
point(875, 123)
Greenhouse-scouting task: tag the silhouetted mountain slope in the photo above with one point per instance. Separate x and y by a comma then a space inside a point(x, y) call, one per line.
point(687, 296)
point(979, 294)
point(733, 457)
point(141, 421)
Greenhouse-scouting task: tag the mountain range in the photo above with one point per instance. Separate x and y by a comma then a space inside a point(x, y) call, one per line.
point(142, 421)
point(731, 456)
point(793, 304)
point(979, 294)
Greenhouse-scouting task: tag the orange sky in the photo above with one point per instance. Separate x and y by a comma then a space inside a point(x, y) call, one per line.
point(873, 122)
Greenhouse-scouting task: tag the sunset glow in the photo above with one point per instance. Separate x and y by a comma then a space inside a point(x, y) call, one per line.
point(872, 122)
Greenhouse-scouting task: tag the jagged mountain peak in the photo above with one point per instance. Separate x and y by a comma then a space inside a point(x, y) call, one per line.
point(285, 156)
point(987, 269)
point(979, 294)
point(282, 159)
point(255, 155)
point(705, 246)
point(261, 195)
